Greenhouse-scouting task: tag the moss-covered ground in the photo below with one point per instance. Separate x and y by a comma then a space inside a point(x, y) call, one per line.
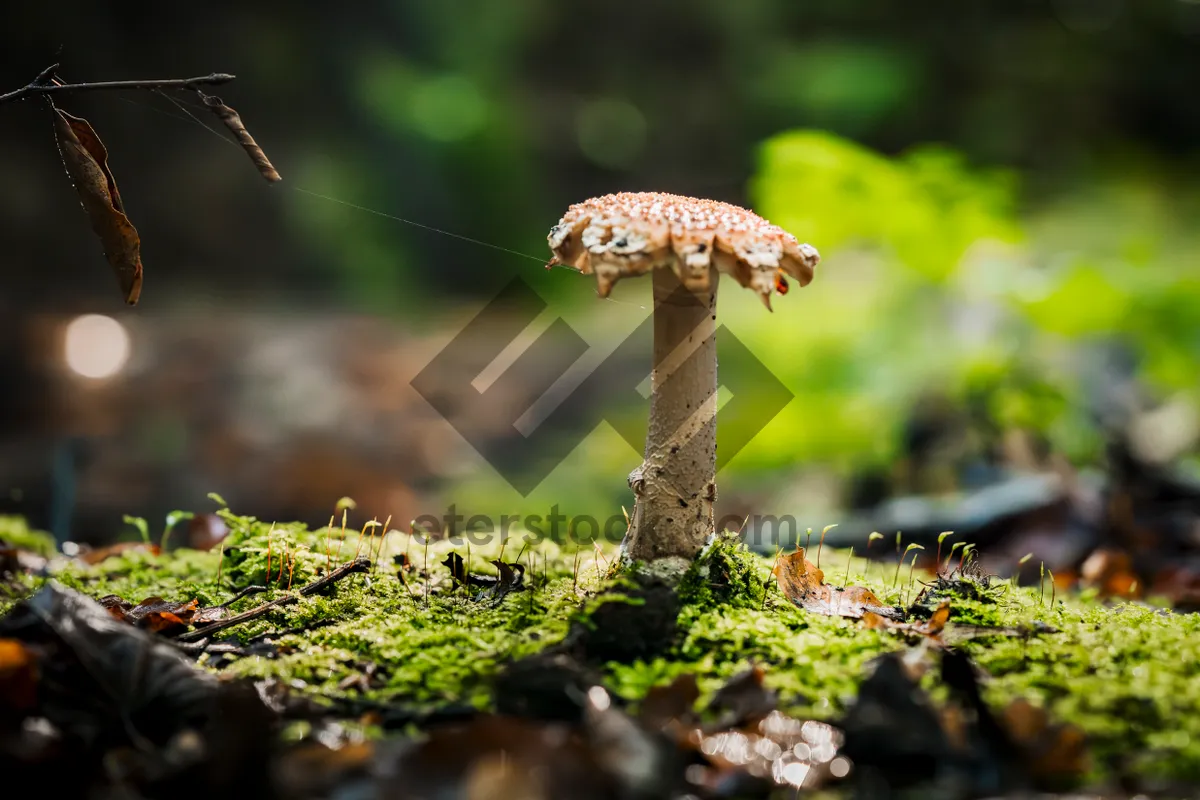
point(1128, 674)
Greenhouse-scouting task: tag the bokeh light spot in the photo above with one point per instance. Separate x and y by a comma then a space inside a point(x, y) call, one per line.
point(96, 346)
point(448, 108)
point(611, 132)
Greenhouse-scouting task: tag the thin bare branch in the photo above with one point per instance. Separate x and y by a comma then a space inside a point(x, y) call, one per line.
point(41, 85)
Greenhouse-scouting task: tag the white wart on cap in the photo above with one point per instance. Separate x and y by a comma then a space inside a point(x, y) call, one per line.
point(631, 233)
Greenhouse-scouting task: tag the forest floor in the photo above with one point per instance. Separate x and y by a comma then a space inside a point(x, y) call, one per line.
point(754, 675)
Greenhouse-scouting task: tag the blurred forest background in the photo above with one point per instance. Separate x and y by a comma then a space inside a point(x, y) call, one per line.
point(1005, 196)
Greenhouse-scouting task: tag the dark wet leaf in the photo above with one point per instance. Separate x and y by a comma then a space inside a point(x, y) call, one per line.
point(153, 614)
point(547, 686)
point(151, 606)
point(606, 755)
point(511, 577)
point(18, 678)
point(86, 161)
point(1022, 738)
point(743, 699)
point(103, 679)
point(1055, 754)
point(314, 769)
point(804, 584)
point(931, 627)
point(897, 737)
point(670, 707)
point(892, 730)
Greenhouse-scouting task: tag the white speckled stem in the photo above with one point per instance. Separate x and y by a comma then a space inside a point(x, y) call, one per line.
point(674, 487)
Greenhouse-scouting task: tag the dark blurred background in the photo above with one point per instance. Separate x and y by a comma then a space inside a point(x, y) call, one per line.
point(1005, 196)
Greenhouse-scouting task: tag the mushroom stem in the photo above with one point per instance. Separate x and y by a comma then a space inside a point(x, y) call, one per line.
point(674, 486)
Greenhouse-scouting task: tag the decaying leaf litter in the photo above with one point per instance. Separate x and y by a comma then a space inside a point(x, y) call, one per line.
point(383, 678)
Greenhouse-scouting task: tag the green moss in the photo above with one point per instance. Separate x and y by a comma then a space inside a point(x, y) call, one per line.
point(724, 574)
point(1128, 674)
point(16, 533)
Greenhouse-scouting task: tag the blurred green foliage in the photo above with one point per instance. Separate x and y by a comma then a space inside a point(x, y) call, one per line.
point(1043, 250)
point(936, 283)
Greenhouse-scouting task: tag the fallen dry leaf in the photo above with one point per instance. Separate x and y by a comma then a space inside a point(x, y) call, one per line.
point(1111, 571)
point(670, 707)
point(1054, 753)
point(931, 627)
point(86, 161)
point(153, 614)
point(804, 584)
point(118, 549)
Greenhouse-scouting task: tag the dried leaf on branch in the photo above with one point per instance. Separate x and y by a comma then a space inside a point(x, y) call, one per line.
point(86, 161)
point(233, 121)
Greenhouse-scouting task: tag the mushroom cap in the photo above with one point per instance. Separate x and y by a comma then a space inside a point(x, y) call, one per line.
point(631, 233)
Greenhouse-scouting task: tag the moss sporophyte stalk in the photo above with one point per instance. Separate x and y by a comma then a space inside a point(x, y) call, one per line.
point(399, 634)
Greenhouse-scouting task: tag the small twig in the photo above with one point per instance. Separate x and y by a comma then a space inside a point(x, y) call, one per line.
point(249, 590)
point(320, 584)
point(40, 85)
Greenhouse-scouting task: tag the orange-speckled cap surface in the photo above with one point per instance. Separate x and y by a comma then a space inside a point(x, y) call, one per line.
point(631, 233)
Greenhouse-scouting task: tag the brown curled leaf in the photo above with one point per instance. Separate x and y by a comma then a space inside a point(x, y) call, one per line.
point(804, 584)
point(1055, 752)
point(932, 627)
point(233, 121)
point(86, 161)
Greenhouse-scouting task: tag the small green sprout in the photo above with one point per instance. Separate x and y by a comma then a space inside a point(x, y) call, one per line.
point(142, 526)
point(950, 557)
point(907, 550)
point(821, 544)
point(941, 538)
point(173, 519)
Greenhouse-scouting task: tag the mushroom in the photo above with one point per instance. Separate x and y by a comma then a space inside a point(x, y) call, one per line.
point(685, 242)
